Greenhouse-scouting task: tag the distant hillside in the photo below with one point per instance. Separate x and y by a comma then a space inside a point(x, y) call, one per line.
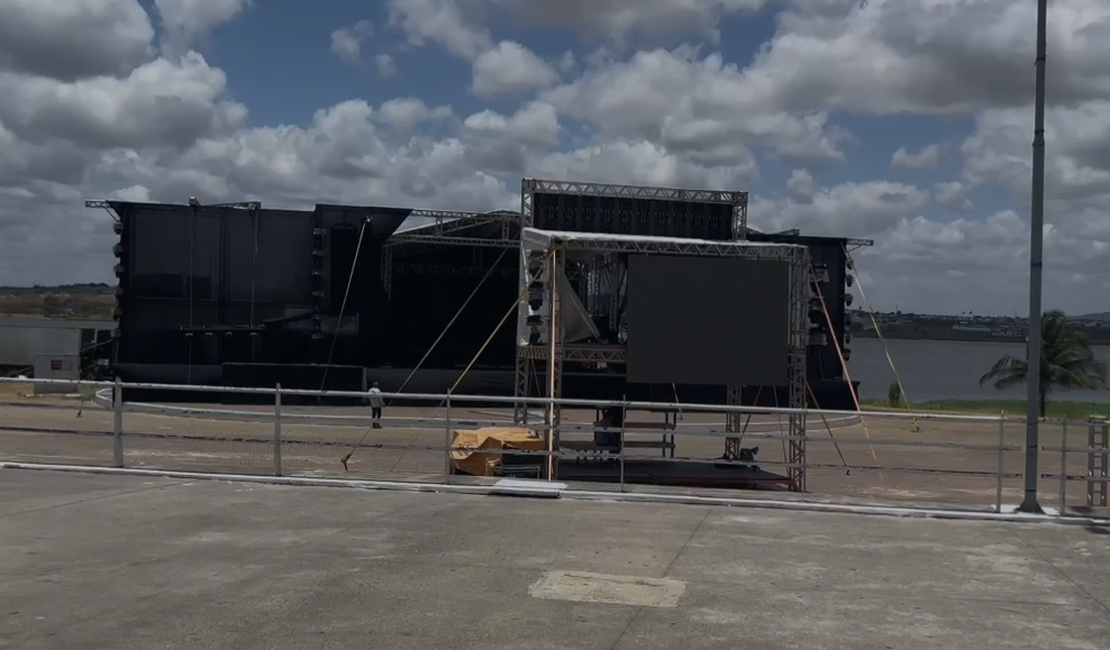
point(1101, 316)
point(85, 301)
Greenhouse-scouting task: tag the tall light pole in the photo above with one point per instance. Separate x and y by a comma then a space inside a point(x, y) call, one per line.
point(1036, 255)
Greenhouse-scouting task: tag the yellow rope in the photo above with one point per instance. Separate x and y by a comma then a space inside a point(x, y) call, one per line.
point(882, 339)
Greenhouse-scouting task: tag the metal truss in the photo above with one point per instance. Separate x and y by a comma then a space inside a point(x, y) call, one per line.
point(387, 271)
point(733, 423)
point(403, 239)
point(107, 206)
point(595, 353)
point(800, 282)
point(523, 366)
point(540, 186)
point(672, 246)
point(440, 269)
point(856, 244)
point(444, 222)
point(529, 187)
point(740, 218)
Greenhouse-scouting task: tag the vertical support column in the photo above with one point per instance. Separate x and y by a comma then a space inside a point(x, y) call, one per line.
point(740, 216)
point(448, 441)
point(554, 363)
point(1001, 456)
point(1098, 467)
point(733, 423)
point(796, 370)
point(387, 271)
point(616, 276)
point(277, 430)
point(117, 423)
point(522, 362)
point(1063, 495)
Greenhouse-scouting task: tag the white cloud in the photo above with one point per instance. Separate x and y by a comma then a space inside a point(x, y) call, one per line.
point(346, 42)
point(190, 18)
point(705, 109)
point(443, 22)
point(954, 195)
point(885, 56)
point(619, 18)
point(100, 112)
point(73, 39)
point(385, 64)
point(511, 68)
point(800, 187)
point(927, 157)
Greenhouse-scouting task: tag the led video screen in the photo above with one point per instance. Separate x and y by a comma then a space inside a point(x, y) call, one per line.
point(707, 320)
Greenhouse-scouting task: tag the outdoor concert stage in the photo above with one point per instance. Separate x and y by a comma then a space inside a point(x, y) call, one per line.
point(590, 291)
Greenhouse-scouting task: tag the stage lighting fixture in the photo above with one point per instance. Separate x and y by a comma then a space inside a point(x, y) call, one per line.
point(849, 299)
point(850, 280)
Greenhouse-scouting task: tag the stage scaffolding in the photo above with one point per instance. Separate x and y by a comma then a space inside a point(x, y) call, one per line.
point(544, 260)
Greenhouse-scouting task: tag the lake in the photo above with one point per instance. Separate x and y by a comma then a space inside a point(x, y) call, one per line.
point(942, 370)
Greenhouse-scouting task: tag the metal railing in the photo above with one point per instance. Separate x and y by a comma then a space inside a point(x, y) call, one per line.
point(928, 458)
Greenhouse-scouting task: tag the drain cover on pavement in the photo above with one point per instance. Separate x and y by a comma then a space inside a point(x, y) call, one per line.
point(582, 587)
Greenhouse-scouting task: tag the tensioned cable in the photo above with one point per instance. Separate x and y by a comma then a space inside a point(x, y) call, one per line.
point(847, 374)
point(515, 307)
point(343, 305)
point(453, 319)
point(882, 339)
point(254, 265)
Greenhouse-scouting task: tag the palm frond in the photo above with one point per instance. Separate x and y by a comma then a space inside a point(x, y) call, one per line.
point(1067, 361)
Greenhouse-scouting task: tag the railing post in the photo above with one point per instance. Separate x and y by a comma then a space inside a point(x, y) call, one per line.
point(1064, 468)
point(1001, 454)
point(117, 423)
point(620, 452)
point(277, 430)
point(447, 441)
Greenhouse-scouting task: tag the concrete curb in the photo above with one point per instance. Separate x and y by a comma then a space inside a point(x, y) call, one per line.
point(514, 487)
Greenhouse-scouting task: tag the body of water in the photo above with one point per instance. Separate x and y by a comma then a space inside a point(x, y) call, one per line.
point(943, 370)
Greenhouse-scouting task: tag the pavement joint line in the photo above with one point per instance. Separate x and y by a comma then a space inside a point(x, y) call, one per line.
point(582, 495)
point(99, 497)
point(1063, 574)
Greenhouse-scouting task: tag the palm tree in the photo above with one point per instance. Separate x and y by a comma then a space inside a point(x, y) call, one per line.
point(1067, 361)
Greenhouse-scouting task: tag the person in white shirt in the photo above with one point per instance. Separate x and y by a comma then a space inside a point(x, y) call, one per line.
point(376, 404)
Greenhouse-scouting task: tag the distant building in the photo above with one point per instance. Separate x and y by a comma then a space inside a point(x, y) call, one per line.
point(22, 340)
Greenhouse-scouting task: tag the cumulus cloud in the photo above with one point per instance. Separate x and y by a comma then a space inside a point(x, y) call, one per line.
point(928, 156)
point(186, 20)
point(511, 68)
point(346, 42)
point(103, 112)
point(385, 65)
point(73, 40)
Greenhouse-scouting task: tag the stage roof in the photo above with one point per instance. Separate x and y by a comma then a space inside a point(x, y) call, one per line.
point(536, 239)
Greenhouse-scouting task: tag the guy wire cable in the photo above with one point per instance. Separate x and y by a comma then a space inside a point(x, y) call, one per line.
point(343, 305)
point(254, 267)
point(828, 428)
point(515, 306)
point(879, 333)
point(453, 319)
point(475, 359)
point(848, 377)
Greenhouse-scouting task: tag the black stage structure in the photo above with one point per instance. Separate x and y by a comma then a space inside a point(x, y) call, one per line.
point(236, 294)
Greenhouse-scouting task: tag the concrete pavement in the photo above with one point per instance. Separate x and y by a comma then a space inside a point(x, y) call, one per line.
point(138, 563)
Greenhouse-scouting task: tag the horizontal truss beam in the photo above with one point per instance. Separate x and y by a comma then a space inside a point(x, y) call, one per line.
point(448, 221)
point(439, 269)
point(607, 353)
point(774, 252)
point(541, 186)
point(437, 240)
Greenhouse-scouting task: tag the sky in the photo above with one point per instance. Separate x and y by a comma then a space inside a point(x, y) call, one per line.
point(909, 123)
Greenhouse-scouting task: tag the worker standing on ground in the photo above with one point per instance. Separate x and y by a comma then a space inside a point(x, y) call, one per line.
point(376, 404)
